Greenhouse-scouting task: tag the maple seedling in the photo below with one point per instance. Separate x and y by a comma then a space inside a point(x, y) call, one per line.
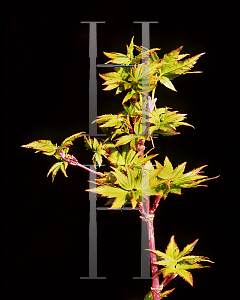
point(132, 177)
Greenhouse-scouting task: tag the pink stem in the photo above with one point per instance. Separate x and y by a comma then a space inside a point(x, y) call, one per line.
point(148, 216)
point(74, 162)
point(156, 288)
point(156, 203)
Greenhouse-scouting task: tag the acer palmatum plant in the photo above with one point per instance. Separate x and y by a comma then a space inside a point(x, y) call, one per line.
point(133, 177)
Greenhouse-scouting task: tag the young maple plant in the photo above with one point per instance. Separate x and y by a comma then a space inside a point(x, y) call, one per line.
point(133, 177)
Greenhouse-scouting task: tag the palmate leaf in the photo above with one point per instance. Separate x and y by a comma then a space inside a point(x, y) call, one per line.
point(173, 67)
point(167, 82)
point(176, 262)
point(118, 58)
point(126, 182)
point(125, 186)
point(62, 165)
point(128, 157)
point(98, 148)
point(125, 139)
point(114, 125)
point(172, 248)
point(119, 194)
point(69, 140)
point(182, 67)
point(171, 180)
point(128, 96)
point(163, 70)
point(166, 121)
point(45, 146)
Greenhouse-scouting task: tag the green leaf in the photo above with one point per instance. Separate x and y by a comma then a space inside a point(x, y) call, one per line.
point(119, 201)
point(175, 262)
point(97, 159)
point(114, 54)
point(45, 146)
point(124, 181)
point(171, 57)
point(166, 293)
point(118, 58)
point(130, 49)
point(125, 139)
point(107, 191)
point(68, 141)
point(192, 259)
point(130, 157)
point(142, 160)
point(149, 295)
point(187, 249)
point(178, 171)
point(128, 96)
point(116, 158)
point(167, 171)
point(64, 167)
point(165, 81)
point(111, 123)
point(111, 87)
point(187, 276)
point(111, 192)
point(54, 169)
point(134, 197)
point(172, 248)
point(182, 67)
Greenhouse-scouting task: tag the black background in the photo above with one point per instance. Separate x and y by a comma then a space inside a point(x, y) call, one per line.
point(46, 97)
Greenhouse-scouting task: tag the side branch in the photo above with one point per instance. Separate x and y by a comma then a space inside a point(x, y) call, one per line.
point(156, 203)
point(74, 162)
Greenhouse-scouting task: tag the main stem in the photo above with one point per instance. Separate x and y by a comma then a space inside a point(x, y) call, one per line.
point(156, 288)
point(149, 215)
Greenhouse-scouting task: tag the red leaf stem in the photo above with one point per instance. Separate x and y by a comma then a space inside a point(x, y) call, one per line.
point(74, 162)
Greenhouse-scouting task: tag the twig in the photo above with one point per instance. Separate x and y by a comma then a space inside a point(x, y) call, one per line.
point(74, 162)
point(156, 203)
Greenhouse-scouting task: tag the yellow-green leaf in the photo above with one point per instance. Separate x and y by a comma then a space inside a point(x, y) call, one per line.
point(187, 276)
point(111, 87)
point(187, 249)
point(128, 96)
point(173, 262)
point(165, 81)
point(108, 191)
point(167, 171)
point(125, 182)
point(116, 158)
point(111, 192)
point(64, 167)
point(119, 201)
point(178, 171)
point(68, 141)
point(54, 169)
point(172, 248)
point(125, 139)
point(45, 146)
point(134, 200)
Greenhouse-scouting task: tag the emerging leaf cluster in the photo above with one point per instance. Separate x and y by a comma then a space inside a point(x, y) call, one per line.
point(128, 179)
point(125, 140)
point(49, 149)
point(162, 70)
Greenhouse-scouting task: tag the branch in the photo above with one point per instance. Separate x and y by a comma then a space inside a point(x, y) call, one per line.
point(155, 204)
point(74, 162)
